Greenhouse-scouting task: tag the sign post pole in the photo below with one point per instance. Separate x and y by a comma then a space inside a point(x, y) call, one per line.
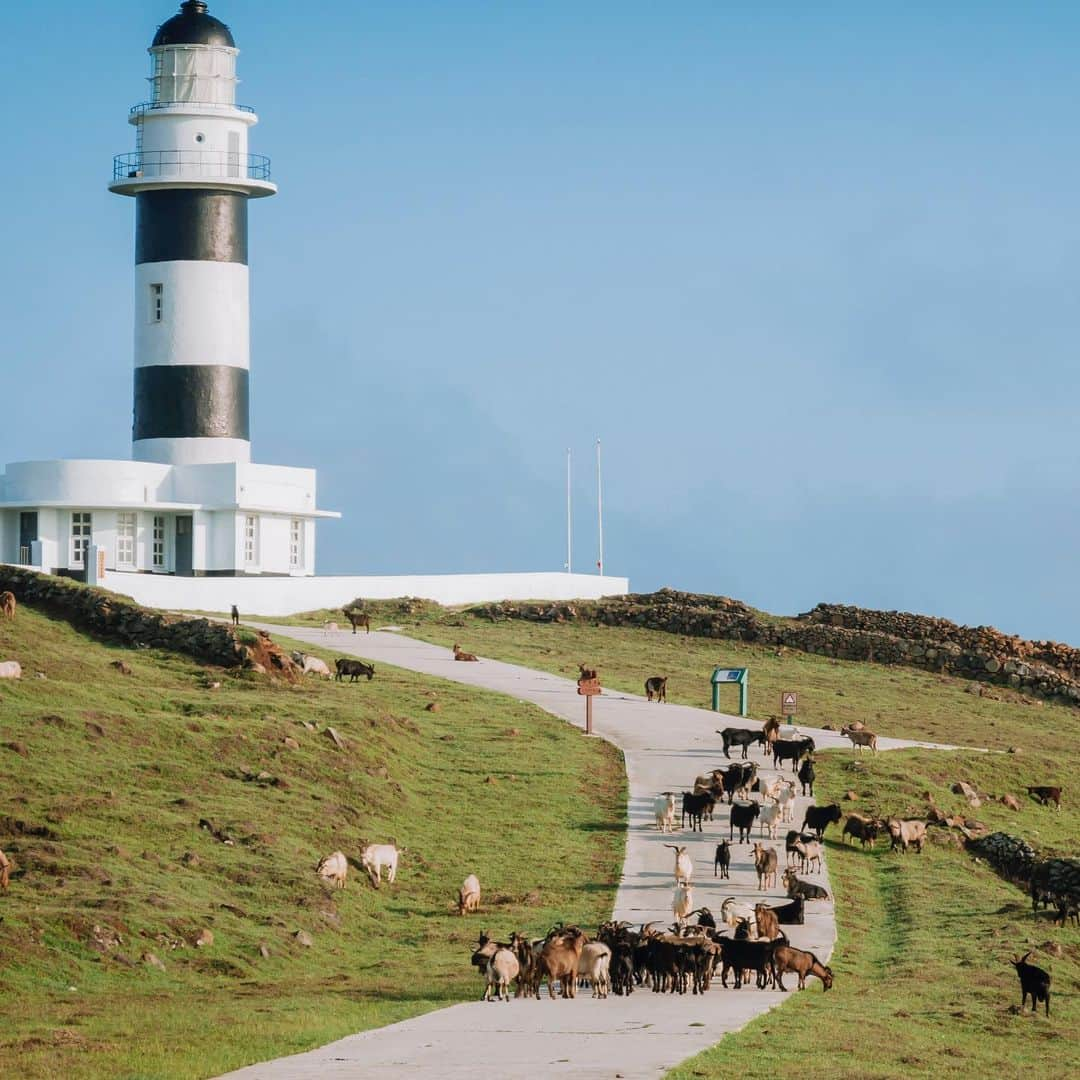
point(588, 688)
point(789, 702)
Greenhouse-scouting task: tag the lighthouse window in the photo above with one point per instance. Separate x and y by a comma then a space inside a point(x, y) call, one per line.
point(80, 537)
point(157, 302)
point(296, 543)
point(251, 540)
point(125, 540)
point(159, 542)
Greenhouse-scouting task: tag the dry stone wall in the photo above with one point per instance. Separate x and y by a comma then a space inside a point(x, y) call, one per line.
point(1041, 668)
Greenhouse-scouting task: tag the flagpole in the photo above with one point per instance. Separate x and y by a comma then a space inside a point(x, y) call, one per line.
point(569, 538)
point(599, 510)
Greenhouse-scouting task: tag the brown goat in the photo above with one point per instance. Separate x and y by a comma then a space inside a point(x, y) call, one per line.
point(765, 865)
point(803, 963)
point(357, 618)
point(459, 655)
point(656, 687)
point(768, 925)
point(7, 604)
point(5, 870)
point(771, 730)
point(1044, 795)
point(559, 959)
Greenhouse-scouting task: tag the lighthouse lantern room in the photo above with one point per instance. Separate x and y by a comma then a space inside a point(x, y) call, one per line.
point(190, 502)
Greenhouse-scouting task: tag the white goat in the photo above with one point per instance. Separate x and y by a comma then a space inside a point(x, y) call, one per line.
point(594, 965)
point(334, 868)
point(682, 902)
point(786, 798)
point(769, 816)
point(469, 895)
point(377, 856)
point(733, 911)
point(329, 627)
point(684, 865)
point(664, 808)
point(809, 852)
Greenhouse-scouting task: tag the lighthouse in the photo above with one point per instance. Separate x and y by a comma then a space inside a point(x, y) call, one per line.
point(191, 502)
point(192, 177)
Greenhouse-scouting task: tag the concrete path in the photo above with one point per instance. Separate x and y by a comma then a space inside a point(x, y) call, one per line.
point(639, 1036)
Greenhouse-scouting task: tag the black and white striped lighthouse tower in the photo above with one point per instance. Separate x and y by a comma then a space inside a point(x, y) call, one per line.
point(191, 176)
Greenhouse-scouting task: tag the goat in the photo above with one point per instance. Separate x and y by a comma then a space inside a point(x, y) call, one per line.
point(771, 732)
point(682, 901)
point(793, 913)
point(469, 895)
point(722, 861)
point(528, 978)
point(733, 912)
point(310, 665)
point(803, 963)
point(740, 956)
point(559, 958)
point(1033, 981)
point(466, 656)
point(594, 964)
point(333, 868)
point(770, 816)
point(765, 865)
point(793, 750)
point(819, 818)
point(806, 889)
point(740, 737)
point(664, 810)
point(768, 925)
point(695, 806)
point(7, 604)
point(794, 837)
point(5, 870)
point(684, 865)
point(354, 669)
point(499, 963)
point(330, 627)
point(905, 833)
point(656, 687)
point(809, 853)
point(863, 829)
point(742, 817)
point(785, 799)
point(376, 856)
point(737, 778)
point(860, 738)
point(807, 776)
point(357, 618)
point(10, 669)
point(1046, 795)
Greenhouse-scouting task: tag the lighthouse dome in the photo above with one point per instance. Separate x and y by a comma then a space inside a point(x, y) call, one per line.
point(194, 25)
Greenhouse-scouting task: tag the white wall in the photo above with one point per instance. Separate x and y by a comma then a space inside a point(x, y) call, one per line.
point(286, 595)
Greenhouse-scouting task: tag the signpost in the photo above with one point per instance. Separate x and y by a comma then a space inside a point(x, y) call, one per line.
point(588, 688)
point(740, 676)
point(789, 702)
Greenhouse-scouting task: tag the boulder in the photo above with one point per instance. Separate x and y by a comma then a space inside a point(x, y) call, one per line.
point(302, 937)
point(152, 960)
point(1011, 801)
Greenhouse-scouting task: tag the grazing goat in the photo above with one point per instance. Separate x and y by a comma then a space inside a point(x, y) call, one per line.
point(354, 669)
point(684, 865)
point(743, 737)
point(376, 856)
point(7, 604)
point(793, 750)
point(357, 618)
point(809, 853)
point(682, 901)
point(466, 656)
point(5, 870)
point(806, 889)
point(1033, 981)
point(559, 958)
point(1046, 795)
point(469, 895)
point(595, 965)
point(334, 869)
point(664, 811)
point(803, 963)
point(819, 818)
point(863, 829)
point(656, 687)
point(742, 818)
point(10, 669)
point(765, 865)
point(860, 738)
point(905, 833)
point(807, 776)
point(722, 861)
point(310, 665)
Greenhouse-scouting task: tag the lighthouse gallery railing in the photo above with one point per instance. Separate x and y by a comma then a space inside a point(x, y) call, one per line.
point(190, 165)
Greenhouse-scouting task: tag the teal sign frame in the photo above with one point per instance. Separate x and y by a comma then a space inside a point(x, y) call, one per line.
point(738, 676)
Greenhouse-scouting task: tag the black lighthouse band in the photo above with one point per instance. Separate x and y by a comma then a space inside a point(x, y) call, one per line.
point(191, 401)
point(191, 225)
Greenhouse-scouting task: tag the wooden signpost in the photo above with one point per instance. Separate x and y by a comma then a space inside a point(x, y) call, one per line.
point(588, 688)
point(789, 702)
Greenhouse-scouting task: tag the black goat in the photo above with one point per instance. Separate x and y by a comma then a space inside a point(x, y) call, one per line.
point(722, 862)
point(1033, 981)
point(695, 806)
point(354, 668)
point(792, 913)
point(806, 776)
point(793, 750)
point(819, 818)
point(743, 816)
point(743, 737)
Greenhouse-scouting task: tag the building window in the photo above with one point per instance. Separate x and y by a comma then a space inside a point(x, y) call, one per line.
point(80, 537)
point(296, 544)
point(125, 540)
point(159, 542)
point(157, 302)
point(251, 540)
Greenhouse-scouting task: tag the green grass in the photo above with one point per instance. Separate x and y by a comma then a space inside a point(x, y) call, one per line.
point(923, 984)
point(107, 777)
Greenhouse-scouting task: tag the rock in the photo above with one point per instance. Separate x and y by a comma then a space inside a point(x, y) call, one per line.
point(446, 738)
point(1011, 801)
point(120, 666)
point(974, 802)
point(992, 665)
point(17, 748)
point(432, 706)
point(851, 796)
point(40, 675)
point(302, 937)
point(308, 725)
point(961, 787)
point(490, 780)
point(335, 738)
point(1015, 750)
point(513, 732)
point(10, 669)
point(264, 950)
point(290, 743)
point(203, 939)
point(153, 960)
point(1054, 948)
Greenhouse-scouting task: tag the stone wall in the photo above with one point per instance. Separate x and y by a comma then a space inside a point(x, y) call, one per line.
point(1041, 668)
point(115, 618)
point(1055, 881)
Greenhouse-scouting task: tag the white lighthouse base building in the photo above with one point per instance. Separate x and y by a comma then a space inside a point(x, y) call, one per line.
point(86, 519)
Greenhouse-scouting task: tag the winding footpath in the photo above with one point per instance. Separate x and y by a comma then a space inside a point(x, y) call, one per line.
point(645, 1034)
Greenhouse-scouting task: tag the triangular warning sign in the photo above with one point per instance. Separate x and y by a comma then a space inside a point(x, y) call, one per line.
point(789, 699)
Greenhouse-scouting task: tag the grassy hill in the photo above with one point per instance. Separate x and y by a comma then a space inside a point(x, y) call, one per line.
point(923, 985)
point(106, 780)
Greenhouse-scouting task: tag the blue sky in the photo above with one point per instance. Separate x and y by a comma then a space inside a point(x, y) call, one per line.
point(809, 274)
